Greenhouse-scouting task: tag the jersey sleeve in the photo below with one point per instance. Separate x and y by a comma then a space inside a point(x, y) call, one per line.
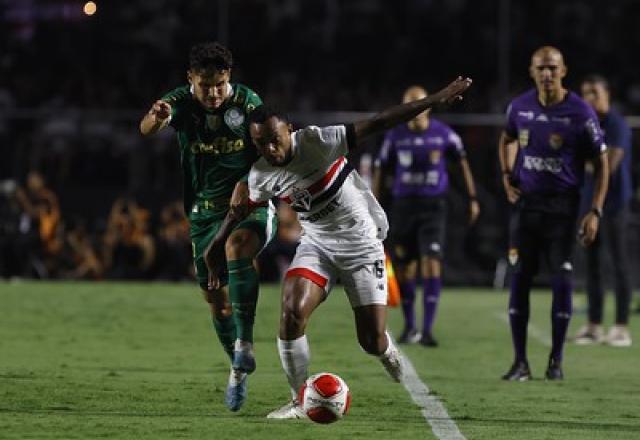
point(331, 140)
point(455, 148)
point(511, 129)
point(592, 134)
point(258, 192)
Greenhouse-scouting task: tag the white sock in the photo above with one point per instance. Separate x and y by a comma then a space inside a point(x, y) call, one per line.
point(295, 356)
point(391, 348)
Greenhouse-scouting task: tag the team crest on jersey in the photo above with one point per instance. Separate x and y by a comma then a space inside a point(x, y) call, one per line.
point(301, 199)
point(405, 158)
point(233, 117)
point(555, 141)
point(213, 122)
point(523, 138)
point(434, 157)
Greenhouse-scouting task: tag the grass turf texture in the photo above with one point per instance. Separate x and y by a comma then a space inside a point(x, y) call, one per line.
point(116, 360)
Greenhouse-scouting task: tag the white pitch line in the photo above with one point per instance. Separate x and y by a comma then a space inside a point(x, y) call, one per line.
point(443, 427)
point(541, 336)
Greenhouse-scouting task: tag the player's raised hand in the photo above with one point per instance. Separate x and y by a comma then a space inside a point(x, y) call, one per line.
point(453, 92)
point(160, 110)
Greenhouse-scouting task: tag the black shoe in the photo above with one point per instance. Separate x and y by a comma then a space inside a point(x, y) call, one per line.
point(554, 370)
point(409, 336)
point(428, 341)
point(519, 372)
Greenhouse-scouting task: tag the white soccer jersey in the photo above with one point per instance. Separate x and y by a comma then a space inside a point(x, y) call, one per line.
point(335, 207)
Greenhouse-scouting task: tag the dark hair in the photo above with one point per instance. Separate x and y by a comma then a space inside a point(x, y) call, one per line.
point(264, 112)
point(210, 55)
point(594, 78)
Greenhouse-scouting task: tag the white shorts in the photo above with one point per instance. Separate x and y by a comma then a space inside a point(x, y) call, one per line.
point(364, 280)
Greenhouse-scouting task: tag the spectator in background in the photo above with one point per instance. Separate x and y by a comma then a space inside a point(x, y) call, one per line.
point(613, 230)
point(174, 246)
point(40, 204)
point(79, 256)
point(129, 249)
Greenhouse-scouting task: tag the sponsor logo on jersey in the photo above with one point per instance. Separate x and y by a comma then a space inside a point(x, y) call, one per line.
point(542, 118)
point(523, 137)
point(527, 115)
point(331, 206)
point(555, 141)
point(405, 158)
point(563, 120)
point(549, 164)
point(435, 156)
point(233, 117)
point(220, 145)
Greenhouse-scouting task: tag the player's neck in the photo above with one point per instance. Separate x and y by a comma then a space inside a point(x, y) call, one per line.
point(551, 97)
point(419, 125)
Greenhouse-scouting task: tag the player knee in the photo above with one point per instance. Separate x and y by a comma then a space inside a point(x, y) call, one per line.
point(293, 320)
point(373, 343)
point(241, 244)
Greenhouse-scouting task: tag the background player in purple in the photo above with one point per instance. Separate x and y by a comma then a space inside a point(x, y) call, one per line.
point(556, 132)
point(415, 155)
point(617, 135)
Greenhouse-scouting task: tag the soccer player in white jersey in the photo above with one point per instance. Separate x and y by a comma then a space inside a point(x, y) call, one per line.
point(343, 228)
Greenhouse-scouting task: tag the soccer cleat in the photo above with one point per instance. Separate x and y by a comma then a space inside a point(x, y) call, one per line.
point(428, 340)
point(409, 336)
point(236, 392)
point(519, 372)
point(291, 410)
point(393, 364)
point(244, 361)
point(618, 336)
point(554, 370)
point(589, 334)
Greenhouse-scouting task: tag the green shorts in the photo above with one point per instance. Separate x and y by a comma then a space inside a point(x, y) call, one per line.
point(205, 226)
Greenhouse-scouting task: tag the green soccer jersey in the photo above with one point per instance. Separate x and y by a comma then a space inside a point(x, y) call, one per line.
point(215, 148)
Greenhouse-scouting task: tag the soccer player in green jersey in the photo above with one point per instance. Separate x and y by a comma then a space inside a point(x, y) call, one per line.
point(210, 117)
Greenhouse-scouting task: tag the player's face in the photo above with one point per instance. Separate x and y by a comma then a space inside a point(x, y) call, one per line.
point(414, 94)
point(547, 70)
point(210, 87)
point(273, 141)
point(597, 95)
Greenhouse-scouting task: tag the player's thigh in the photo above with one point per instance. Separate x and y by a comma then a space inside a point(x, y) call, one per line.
point(202, 231)
point(252, 234)
point(404, 221)
point(528, 231)
point(366, 284)
point(432, 230)
point(560, 239)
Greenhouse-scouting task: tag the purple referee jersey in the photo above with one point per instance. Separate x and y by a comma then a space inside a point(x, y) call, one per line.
point(554, 142)
point(419, 158)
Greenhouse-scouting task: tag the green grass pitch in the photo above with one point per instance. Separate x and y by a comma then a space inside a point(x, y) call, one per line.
point(140, 361)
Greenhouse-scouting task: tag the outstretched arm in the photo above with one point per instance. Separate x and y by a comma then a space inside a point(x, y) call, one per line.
point(156, 118)
point(404, 112)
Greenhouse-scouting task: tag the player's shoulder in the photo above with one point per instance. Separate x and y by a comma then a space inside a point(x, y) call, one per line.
point(439, 125)
point(524, 100)
point(316, 134)
point(178, 96)
point(259, 172)
point(245, 97)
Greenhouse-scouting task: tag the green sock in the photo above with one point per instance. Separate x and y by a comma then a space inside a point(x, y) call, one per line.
point(226, 331)
point(243, 291)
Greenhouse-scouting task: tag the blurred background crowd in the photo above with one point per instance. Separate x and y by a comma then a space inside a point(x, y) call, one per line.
point(83, 195)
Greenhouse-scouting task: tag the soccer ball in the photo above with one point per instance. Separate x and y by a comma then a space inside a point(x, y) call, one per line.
point(324, 397)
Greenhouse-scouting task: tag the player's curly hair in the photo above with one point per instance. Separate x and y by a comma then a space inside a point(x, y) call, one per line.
point(210, 55)
point(264, 112)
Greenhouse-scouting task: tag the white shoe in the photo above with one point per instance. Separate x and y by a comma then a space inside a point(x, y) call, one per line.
point(618, 336)
point(589, 334)
point(393, 364)
point(291, 410)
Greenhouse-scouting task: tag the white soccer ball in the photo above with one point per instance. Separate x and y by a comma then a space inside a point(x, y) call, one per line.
point(325, 397)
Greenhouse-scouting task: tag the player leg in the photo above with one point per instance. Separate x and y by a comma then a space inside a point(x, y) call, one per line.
point(560, 239)
point(523, 256)
point(616, 226)
point(366, 288)
point(242, 247)
point(592, 332)
point(431, 241)
point(306, 285)
point(404, 257)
